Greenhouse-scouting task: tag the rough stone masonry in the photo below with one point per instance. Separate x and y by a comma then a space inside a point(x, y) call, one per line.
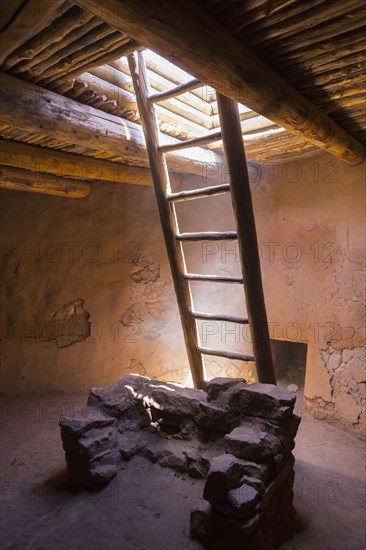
point(238, 438)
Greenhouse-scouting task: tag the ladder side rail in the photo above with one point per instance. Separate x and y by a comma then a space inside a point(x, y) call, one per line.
point(168, 219)
point(247, 236)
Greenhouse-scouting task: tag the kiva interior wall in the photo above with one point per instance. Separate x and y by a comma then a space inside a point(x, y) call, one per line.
point(87, 293)
point(313, 217)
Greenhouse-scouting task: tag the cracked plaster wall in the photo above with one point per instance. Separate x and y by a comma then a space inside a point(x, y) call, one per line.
point(106, 253)
point(314, 278)
point(86, 293)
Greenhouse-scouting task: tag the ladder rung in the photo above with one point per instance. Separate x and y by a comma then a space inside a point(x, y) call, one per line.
point(176, 91)
point(212, 278)
point(196, 142)
point(207, 236)
point(219, 317)
point(199, 193)
point(227, 354)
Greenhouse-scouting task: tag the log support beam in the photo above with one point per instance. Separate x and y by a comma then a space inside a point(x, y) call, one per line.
point(68, 165)
point(36, 182)
point(34, 110)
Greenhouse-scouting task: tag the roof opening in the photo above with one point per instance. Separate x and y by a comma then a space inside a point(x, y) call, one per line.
point(190, 115)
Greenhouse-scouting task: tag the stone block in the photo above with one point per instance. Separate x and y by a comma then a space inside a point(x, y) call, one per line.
point(250, 440)
point(168, 459)
point(197, 465)
point(215, 419)
point(224, 474)
point(93, 473)
point(101, 475)
point(85, 419)
point(103, 467)
point(262, 400)
point(174, 405)
point(258, 470)
point(254, 482)
point(244, 498)
point(130, 443)
point(119, 401)
point(289, 427)
point(216, 386)
point(91, 442)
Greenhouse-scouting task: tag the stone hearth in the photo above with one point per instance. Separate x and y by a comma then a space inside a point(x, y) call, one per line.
point(238, 438)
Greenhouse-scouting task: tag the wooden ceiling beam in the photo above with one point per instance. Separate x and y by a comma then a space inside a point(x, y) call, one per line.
point(78, 39)
point(30, 108)
point(186, 35)
point(52, 34)
point(41, 159)
point(69, 165)
point(160, 82)
point(29, 21)
point(124, 99)
point(37, 182)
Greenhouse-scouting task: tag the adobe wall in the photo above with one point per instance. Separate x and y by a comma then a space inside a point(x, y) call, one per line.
point(87, 294)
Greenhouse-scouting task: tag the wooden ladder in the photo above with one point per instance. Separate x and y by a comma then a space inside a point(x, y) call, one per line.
point(246, 233)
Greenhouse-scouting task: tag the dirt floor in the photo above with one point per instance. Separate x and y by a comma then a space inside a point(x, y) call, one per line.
point(146, 507)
